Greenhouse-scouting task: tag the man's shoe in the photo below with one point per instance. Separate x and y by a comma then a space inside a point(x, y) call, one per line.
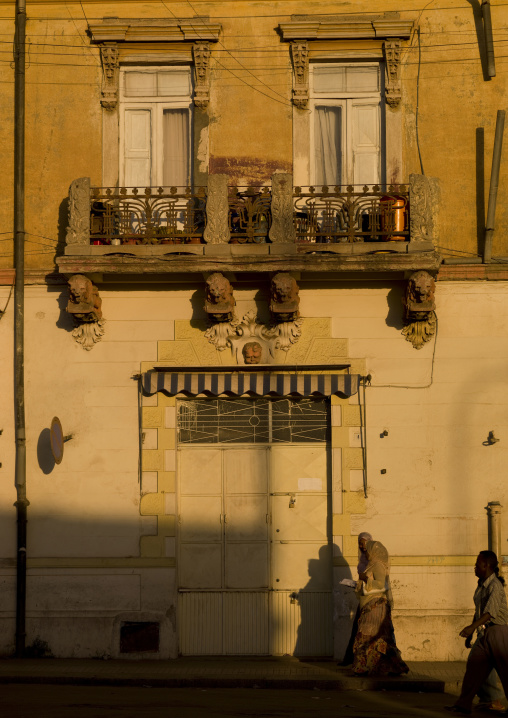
point(459, 710)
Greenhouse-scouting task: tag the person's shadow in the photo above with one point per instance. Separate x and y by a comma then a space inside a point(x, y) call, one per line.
point(321, 606)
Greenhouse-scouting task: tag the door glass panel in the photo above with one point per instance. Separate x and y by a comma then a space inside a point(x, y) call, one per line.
point(327, 145)
point(175, 135)
point(140, 84)
point(177, 83)
point(362, 79)
point(329, 79)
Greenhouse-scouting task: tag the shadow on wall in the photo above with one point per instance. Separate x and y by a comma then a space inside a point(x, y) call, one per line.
point(314, 618)
point(395, 313)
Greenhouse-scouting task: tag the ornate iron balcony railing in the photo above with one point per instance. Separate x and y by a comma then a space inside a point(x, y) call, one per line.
point(249, 214)
point(150, 216)
point(320, 215)
point(367, 214)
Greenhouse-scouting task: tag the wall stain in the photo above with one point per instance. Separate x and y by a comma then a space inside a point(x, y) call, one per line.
point(247, 170)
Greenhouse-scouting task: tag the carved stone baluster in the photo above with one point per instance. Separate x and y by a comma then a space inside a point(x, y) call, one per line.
point(110, 77)
point(300, 56)
point(78, 230)
point(201, 53)
point(283, 227)
point(217, 208)
point(423, 208)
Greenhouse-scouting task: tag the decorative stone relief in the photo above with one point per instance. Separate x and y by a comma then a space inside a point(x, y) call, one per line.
point(283, 228)
point(284, 299)
point(300, 56)
point(226, 330)
point(423, 197)
point(217, 209)
point(419, 309)
point(85, 306)
point(201, 54)
point(78, 230)
point(393, 52)
point(110, 76)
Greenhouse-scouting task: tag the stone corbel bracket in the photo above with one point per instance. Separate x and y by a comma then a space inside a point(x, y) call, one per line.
point(85, 307)
point(392, 50)
point(300, 57)
point(419, 309)
point(201, 55)
point(110, 75)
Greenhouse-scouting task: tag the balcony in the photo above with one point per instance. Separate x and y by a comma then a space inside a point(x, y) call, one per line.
point(324, 229)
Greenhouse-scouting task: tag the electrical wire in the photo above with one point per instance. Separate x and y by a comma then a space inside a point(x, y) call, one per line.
point(418, 102)
point(2, 311)
point(410, 386)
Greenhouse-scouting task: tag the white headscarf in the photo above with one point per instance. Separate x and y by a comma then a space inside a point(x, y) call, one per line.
point(362, 556)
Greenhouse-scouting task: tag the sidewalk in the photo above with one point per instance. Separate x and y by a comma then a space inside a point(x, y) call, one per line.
point(228, 672)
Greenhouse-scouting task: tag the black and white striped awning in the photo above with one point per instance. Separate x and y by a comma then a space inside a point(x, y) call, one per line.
point(257, 384)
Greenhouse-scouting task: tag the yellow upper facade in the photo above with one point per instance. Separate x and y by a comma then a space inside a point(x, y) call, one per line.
point(328, 94)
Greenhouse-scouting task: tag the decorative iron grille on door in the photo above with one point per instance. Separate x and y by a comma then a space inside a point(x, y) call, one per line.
point(263, 420)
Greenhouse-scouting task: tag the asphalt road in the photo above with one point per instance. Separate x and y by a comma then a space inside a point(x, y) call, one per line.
point(28, 701)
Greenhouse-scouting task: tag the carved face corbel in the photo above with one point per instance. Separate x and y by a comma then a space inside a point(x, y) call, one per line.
point(419, 309)
point(284, 299)
point(219, 303)
point(85, 307)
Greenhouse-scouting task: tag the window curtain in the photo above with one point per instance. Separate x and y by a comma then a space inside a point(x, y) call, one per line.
point(175, 130)
point(328, 145)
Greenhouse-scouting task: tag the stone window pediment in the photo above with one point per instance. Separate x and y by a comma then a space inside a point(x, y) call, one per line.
point(121, 41)
point(343, 38)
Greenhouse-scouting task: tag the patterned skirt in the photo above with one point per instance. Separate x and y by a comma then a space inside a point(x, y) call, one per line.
point(374, 650)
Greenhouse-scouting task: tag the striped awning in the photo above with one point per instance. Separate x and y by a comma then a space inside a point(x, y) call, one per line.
point(257, 384)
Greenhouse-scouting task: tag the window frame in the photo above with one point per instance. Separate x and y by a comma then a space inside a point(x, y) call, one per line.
point(346, 100)
point(156, 105)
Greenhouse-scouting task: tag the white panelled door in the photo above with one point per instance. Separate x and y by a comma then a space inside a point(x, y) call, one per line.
point(254, 559)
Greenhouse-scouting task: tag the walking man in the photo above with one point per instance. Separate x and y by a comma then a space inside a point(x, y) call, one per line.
point(490, 620)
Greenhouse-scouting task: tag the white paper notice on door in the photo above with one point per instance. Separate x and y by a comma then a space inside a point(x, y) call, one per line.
point(310, 484)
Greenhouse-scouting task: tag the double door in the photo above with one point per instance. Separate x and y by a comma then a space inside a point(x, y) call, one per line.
point(254, 558)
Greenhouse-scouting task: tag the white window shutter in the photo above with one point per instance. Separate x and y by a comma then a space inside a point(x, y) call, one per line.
point(137, 148)
point(366, 145)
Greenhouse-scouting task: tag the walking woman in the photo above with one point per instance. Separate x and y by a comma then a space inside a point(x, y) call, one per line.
point(374, 650)
point(363, 537)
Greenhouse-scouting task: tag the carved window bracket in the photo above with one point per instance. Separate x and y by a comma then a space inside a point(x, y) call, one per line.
point(201, 54)
point(110, 75)
point(392, 50)
point(300, 56)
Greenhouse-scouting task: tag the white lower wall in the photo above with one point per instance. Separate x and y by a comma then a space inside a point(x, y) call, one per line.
point(438, 405)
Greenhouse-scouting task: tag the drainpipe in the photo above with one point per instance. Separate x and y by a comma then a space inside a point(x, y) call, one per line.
point(489, 40)
point(494, 181)
point(494, 516)
point(19, 298)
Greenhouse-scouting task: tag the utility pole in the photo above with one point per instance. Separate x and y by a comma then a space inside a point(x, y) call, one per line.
point(19, 310)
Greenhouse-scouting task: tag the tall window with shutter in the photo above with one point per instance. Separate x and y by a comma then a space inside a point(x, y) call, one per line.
point(346, 124)
point(156, 127)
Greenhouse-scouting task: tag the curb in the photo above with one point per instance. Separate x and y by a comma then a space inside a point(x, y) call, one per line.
point(358, 684)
